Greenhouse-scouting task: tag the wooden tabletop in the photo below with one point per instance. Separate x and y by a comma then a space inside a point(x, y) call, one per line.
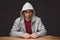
point(40, 38)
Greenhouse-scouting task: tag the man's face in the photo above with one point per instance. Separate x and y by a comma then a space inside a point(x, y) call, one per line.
point(28, 14)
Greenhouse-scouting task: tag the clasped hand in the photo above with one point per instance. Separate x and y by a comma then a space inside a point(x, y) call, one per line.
point(26, 35)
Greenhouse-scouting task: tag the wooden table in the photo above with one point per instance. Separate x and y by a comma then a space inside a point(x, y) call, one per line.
point(40, 38)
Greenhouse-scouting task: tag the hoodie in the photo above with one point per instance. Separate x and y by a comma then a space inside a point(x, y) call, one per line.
point(18, 27)
point(27, 6)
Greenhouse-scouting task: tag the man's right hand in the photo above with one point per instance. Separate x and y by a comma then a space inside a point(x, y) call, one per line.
point(26, 35)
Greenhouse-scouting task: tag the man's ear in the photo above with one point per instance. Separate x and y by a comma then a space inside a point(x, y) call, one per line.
point(23, 14)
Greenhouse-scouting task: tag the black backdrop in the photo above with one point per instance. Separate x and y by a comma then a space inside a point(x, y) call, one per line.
point(48, 10)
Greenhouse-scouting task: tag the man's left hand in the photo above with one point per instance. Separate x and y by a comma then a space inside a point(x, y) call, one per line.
point(34, 35)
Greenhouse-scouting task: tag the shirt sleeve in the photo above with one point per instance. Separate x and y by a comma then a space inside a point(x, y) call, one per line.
point(41, 29)
point(14, 31)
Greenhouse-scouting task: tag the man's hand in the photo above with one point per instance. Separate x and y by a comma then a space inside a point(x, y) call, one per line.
point(34, 35)
point(26, 35)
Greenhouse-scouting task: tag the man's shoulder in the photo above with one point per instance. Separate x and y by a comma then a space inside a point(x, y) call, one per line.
point(37, 18)
point(18, 19)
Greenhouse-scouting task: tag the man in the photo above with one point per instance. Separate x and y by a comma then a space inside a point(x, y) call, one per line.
point(28, 25)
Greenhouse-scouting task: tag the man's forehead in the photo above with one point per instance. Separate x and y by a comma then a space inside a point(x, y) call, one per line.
point(28, 10)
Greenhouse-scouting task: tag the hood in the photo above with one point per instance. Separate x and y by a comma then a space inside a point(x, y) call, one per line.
point(27, 6)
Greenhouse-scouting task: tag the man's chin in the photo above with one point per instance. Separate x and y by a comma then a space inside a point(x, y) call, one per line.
point(28, 17)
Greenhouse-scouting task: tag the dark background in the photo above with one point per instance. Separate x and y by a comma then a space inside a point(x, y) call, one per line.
point(47, 10)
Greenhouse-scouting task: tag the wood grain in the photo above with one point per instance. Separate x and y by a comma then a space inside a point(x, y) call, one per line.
point(40, 38)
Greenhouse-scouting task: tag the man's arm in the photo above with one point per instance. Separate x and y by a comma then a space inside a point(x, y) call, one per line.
point(41, 29)
point(14, 31)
